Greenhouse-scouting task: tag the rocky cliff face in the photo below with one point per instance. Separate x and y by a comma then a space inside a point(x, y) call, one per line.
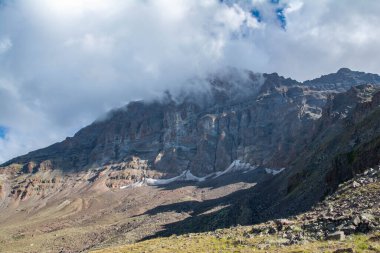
point(259, 119)
point(343, 142)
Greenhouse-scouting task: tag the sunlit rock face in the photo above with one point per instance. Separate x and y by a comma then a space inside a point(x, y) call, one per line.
point(260, 119)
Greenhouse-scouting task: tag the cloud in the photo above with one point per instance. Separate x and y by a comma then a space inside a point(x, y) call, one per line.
point(64, 63)
point(5, 45)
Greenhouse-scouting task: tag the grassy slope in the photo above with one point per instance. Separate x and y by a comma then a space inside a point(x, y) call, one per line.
point(363, 199)
point(233, 240)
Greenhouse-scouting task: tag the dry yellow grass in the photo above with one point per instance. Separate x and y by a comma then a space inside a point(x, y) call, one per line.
point(233, 241)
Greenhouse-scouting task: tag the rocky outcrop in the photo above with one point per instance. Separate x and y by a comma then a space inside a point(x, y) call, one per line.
point(343, 80)
point(353, 208)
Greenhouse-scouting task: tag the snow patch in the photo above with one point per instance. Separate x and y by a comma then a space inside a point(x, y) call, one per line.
point(134, 185)
point(187, 176)
point(273, 171)
point(190, 177)
point(151, 181)
point(236, 165)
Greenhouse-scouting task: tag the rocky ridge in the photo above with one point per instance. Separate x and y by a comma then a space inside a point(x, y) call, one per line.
point(353, 208)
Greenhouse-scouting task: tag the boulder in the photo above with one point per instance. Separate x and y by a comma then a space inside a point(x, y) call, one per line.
point(347, 250)
point(339, 236)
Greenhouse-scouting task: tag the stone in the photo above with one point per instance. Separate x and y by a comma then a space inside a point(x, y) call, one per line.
point(283, 222)
point(364, 227)
point(330, 209)
point(331, 227)
point(367, 217)
point(346, 250)
point(339, 236)
point(355, 220)
point(349, 229)
point(272, 230)
point(246, 235)
point(280, 223)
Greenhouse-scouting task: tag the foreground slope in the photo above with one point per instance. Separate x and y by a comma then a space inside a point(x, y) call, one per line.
point(79, 214)
point(347, 221)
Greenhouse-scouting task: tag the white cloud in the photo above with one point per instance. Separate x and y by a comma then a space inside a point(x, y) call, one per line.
point(5, 45)
point(64, 63)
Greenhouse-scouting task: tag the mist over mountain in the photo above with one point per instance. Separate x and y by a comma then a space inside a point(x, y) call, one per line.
point(65, 63)
point(263, 119)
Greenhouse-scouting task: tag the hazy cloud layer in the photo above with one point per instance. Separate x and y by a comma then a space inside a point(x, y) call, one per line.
point(64, 63)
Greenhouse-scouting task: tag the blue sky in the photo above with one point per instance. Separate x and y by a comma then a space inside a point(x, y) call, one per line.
point(260, 11)
point(3, 131)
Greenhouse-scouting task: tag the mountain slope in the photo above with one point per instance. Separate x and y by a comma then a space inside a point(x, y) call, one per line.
point(245, 149)
point(343, 142)
point(353, 209)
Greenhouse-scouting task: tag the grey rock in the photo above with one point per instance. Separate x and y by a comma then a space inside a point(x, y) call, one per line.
point(339, 235)
point(331, 227)
point(272, 230)
point(355, 220)
point(346, 250)
point(366, 217)
point(349, 229)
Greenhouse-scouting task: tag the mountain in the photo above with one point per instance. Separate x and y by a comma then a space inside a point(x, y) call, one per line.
point(252, 117)
point(243, 148)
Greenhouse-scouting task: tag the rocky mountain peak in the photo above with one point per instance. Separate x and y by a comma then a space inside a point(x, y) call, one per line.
point(344, 71)
point(274, 82)
point(342, 80)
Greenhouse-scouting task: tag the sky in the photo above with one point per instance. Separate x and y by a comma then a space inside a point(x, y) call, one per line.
point(63, 64)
